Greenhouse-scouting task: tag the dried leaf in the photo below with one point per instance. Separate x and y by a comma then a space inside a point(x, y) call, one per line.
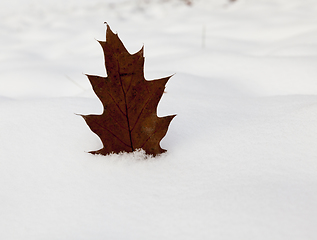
point(129, 120)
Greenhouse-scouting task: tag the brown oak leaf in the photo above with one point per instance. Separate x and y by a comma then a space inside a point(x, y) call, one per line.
point(129, 120)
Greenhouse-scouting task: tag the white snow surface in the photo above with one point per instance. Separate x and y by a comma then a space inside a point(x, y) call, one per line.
point(242, 150)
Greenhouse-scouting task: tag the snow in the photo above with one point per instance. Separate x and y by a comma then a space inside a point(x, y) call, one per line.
point(242, 157)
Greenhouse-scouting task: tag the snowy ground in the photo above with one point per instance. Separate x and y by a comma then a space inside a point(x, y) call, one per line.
point(242, 155)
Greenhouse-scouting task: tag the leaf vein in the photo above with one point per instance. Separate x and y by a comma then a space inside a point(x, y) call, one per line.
point(112, 134)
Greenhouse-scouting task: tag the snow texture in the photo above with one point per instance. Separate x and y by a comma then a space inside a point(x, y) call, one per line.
point(242, 156)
